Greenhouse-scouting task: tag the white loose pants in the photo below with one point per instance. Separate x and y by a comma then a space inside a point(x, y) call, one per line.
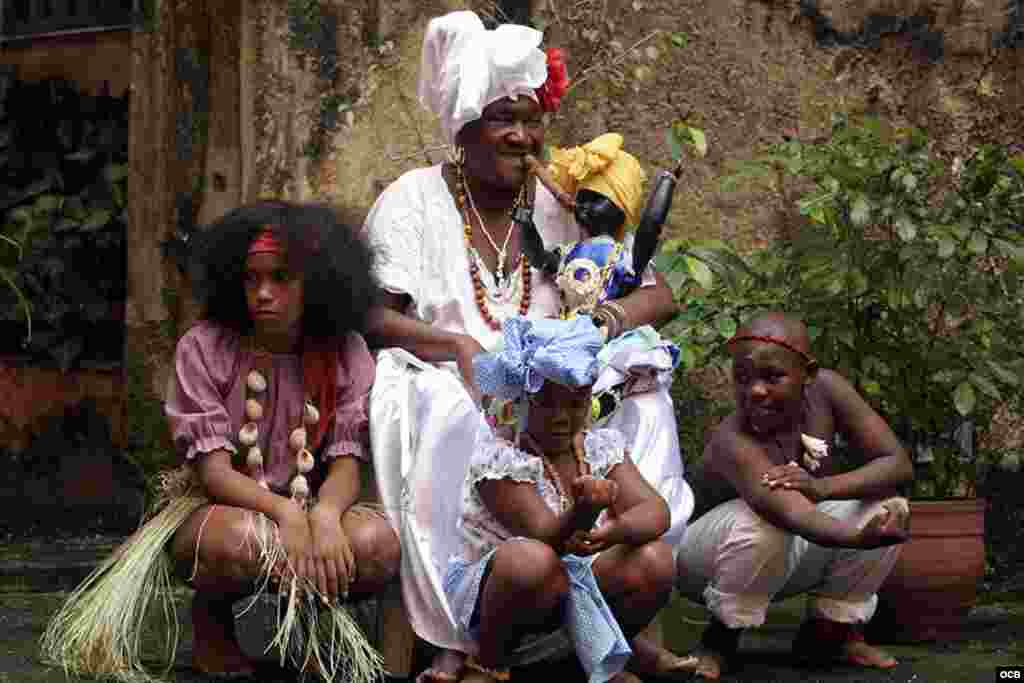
point(737, 563)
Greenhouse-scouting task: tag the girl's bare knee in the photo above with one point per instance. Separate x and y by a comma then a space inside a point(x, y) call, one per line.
point(376, 548)
point(651, 569)
point(216, 543)
point(531, 567)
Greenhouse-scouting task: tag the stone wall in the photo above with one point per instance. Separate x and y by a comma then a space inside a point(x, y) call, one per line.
point(316, 99)
point(747, 71)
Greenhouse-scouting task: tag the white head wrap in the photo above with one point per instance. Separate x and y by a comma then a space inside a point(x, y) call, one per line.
point(464, 67)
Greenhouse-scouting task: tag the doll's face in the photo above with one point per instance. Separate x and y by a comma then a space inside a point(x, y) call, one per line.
point(598, 215)
point(557, 414)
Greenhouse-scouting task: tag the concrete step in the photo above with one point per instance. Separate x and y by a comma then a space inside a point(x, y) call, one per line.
point(49, 565)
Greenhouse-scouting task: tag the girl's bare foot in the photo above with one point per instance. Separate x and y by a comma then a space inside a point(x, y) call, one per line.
point(445, 668)
point(860, 653)
point(709, 664)
point(215, 648)
point(650, 659)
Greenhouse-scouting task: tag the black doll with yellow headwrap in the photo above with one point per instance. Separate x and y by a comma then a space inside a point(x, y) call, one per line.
point(603, 186)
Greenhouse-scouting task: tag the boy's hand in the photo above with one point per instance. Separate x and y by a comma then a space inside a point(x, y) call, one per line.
point(332, 553)
point(793, 477)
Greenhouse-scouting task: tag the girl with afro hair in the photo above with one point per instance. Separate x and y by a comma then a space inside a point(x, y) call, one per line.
point(267, 407)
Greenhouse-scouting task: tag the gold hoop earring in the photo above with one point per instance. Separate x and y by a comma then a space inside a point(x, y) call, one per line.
point(457, 154)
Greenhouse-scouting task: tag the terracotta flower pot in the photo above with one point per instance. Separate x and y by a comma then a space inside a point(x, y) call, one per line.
point(935, 582)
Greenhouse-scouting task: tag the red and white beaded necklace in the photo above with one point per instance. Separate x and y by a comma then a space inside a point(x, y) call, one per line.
point(479, 289)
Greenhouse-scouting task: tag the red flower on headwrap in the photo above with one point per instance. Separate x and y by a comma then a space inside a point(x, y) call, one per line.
point(550, 94)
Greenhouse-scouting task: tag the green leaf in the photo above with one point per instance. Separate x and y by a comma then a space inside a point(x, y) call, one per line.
point(860, 212)
point(675, 149)
point(700, 141)
point(964, 398)
point(48, 203)
point(947, 247)
point(1004, 373)
point(978, 244)
point(986, 386)
point(1009, 249)
point(909, 182)
point(8, 277)
point(700, 272)
point(921, 297)
point(726, 326)
point(906, 228)
point(675, 244)
point(689, 358)
point(680, 39)
point(115, 172)
point(96, 219)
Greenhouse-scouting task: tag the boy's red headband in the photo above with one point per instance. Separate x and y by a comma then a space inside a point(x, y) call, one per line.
point(779, 341)
point(265, 242)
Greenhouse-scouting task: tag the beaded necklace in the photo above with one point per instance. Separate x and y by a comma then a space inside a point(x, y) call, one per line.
point(552, 473)
point(479, 290)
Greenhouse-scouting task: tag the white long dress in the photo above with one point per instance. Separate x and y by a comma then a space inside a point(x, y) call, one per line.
point(423, 423)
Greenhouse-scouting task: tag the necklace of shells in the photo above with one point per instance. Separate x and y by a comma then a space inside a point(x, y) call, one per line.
point(298, 440)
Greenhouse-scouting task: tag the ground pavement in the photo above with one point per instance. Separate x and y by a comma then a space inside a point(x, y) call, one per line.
point(35, 577)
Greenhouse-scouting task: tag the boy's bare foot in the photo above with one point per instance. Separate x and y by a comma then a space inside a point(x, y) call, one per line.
point(860, 653)
point(445, 668)
point(215, 648)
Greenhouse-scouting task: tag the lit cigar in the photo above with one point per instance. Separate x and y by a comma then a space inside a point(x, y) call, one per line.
point(538, 169)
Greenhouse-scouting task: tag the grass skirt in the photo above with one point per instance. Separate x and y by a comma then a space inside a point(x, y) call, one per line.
point(99, 630)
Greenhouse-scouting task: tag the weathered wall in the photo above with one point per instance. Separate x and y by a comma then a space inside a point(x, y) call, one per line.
point(312, 99)
point(94, 60)
point(748, 71)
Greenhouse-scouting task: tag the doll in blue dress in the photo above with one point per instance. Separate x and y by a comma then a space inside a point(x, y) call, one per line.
point(602, 185)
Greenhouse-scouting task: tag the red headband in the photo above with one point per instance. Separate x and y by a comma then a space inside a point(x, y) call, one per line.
point(778, 341)
point(265, 242)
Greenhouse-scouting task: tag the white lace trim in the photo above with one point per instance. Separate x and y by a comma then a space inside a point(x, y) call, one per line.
point(605, 448)
point(499, 459)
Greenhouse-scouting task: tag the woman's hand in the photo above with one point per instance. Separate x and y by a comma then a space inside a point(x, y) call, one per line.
point(297, 540)
point(466, 348)
point(793, 477)
point(332, 553)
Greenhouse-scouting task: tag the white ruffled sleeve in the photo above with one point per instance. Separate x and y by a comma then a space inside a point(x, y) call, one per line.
point(499, 459)
point(604, 449)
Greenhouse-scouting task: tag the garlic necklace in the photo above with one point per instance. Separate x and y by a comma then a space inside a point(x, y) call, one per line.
point(298, 440)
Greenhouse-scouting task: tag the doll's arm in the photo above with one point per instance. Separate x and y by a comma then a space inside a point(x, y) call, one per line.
point(533, 245)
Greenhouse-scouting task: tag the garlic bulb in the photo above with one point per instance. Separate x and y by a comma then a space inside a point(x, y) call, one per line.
point(298, 439)
point(305, 461)
point(256, 382)
point(255, 457)
point(310, 414)
point(254, 410)
point(249, 434)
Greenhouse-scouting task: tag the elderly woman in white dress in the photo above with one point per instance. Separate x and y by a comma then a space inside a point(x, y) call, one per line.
point(450, 262)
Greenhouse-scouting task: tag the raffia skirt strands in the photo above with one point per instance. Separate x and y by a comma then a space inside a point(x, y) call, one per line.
point(98, 632)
